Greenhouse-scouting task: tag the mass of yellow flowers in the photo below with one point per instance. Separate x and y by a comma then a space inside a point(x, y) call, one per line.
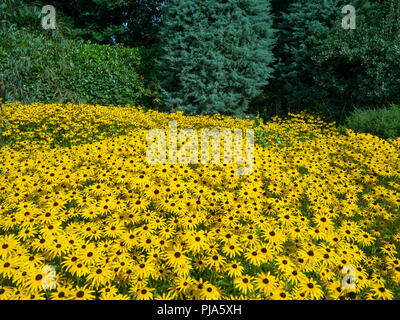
point(77, 194)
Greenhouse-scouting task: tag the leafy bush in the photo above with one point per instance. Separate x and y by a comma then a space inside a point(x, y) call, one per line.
point(21, 14)
point(216, 55)
point(43, 66)
point(130, 22)
point(300, 29)
point(148, 68)
point(26, 14)
point(384, 122)
point(361, 67)
point(326, 69)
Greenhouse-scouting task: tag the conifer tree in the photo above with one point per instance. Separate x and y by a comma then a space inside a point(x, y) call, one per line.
point(216, 55)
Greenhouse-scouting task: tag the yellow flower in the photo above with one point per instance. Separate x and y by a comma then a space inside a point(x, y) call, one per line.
point(99, 276)
point(143, 293)
point(82, 293)
point(108, 220)
point(382, 293)
point(266, 283)
point(244, 284)
point(176, 256)
point(311, 289)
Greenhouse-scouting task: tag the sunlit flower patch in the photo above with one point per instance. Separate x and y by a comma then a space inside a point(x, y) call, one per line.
point(77, 193)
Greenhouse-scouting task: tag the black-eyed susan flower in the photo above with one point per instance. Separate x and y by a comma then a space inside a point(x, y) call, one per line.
point(244, 284)
point(82, 293)
point(319, 204)
point(8, 243)
point(266, 283)
point(311, 289)
point(210, 292)
point(62, 293)
point(176, 256)
point(98, 276)
point(143, 293)
point(215, 261)
point(380, 292)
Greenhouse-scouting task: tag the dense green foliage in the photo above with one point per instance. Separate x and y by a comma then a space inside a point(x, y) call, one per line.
point(129, 22)
point(26, 14)
point(361, 69)
point(383, 122)
point(64, 70)
point(48, 66)
point(216, 56)
point(301, 29)
point(326, 69)
point(18, 12)
point(304, 25)
point(279, 6)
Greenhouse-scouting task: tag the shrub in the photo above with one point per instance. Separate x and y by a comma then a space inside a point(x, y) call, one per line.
point(319, 66)
point(150, 71)
point(300, 29)
point(43, 66)
point(384, 122)
point(361, 67)
point(20, 13)
point(216, 54)
point(130, 22)
point(27, 14)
